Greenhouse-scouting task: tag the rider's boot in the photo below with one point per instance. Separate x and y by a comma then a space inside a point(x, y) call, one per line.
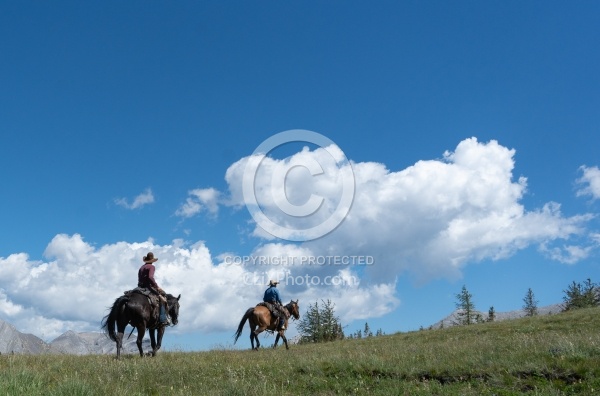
point(163, 317)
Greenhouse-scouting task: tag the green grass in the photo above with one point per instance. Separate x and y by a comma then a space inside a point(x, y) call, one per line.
point(546, 355)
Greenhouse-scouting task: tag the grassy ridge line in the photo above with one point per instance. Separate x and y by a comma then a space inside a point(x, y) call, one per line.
point(547, 355)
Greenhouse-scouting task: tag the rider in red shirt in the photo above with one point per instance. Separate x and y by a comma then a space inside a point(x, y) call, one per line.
point(146, 280)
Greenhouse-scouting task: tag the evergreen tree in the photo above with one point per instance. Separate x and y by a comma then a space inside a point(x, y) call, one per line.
point(320, 324)
point(466, 308)
point(367, 331)
point(530, 306)
point(309, 326)
point(332, 329)
point(581, 296)
point(491, 314)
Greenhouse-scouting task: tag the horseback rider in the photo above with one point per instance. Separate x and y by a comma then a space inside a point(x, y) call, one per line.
point(146, 280)
point(272, 296)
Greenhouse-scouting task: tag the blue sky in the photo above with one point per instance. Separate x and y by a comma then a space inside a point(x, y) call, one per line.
point(471, 129)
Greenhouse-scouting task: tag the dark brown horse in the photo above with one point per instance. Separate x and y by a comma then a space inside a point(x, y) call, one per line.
point(260, 319)
point(134, 309)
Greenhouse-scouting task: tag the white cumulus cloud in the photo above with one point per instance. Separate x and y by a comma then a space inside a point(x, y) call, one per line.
point(589, 182)
point(76, 283)
point(199, 200)
point(430, 219)
point(143, 199)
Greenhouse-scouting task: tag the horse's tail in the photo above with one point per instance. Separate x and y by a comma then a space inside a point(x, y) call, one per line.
point(108, 322)
point(238, 333)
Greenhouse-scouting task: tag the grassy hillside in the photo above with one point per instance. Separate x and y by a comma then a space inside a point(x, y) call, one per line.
point(545, 355)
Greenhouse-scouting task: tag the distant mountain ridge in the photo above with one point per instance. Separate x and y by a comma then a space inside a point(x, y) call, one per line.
point(13, 341)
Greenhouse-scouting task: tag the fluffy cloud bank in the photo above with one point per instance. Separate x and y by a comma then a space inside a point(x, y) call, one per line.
point(74, 287)
point(431, 218)
point(426, 221)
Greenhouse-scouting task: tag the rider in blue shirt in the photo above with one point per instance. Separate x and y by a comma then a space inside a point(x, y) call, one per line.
point(272, 296)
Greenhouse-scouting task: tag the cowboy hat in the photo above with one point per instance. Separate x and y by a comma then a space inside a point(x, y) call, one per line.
point(273, 282)
point(149, 258)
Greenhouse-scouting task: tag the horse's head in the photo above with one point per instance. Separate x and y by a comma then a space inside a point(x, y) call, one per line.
point(294, 309)
point(173, 303)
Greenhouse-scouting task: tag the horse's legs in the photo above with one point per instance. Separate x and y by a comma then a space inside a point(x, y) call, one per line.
point(254, 336)
point(141, 329)
point(120, 332)
point(119, 344)
point(285, 340)
point(283, 335)
point(256, 332)
point(152, 340)
point(156, 345)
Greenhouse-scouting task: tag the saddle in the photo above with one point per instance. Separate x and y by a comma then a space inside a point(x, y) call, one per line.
point(275, 309)
point(150, 295)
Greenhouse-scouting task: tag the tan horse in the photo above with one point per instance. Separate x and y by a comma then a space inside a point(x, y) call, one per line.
point(260, 319)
